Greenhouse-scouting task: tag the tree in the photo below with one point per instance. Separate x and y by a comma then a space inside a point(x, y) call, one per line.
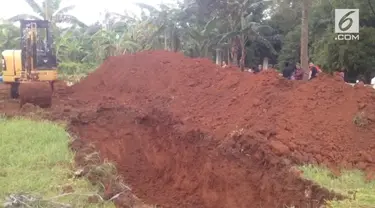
point(246, 27)
point(305, 38)
point(9, 36)
point(50, 10)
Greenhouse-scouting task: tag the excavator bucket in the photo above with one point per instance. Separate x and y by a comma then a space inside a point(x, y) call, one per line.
point(36, 93)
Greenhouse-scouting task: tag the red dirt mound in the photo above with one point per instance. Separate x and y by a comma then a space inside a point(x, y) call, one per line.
point(251, 125)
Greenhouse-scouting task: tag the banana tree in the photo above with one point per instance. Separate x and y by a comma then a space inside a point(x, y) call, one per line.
point(113, 43)
point(49, 10)
point(246, 27)
point(70, 47)
point(9, 36)
point(168, 22)
point(202, 39)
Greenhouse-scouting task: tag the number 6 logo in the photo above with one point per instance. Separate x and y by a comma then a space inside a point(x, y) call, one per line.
point(346, 21)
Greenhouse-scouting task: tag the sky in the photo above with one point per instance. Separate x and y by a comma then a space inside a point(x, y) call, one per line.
point(88, 11)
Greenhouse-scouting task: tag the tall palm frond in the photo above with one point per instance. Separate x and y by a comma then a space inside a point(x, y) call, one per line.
point(35, 7)
point(64, 10)
point(66, 18)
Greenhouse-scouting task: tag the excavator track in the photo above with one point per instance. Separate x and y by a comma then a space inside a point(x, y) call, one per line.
point(36, 93)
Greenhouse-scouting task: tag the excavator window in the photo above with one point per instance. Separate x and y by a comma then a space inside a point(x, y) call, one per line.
point(41, 47)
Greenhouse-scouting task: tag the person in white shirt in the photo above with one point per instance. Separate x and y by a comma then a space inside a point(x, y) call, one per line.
point(373, 82)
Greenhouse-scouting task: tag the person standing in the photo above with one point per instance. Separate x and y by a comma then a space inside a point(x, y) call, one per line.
point(288, 71)
point(373, 82)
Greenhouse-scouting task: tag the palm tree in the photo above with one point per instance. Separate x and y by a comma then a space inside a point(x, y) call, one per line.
point(50, 10)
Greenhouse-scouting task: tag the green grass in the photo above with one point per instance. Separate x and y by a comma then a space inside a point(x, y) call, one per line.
point(350, 183)
point(35, 159)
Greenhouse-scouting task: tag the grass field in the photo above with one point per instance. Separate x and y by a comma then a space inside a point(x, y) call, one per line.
point(351, 184)
point(35, 159)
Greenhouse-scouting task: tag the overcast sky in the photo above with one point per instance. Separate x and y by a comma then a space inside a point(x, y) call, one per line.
point(87, 11)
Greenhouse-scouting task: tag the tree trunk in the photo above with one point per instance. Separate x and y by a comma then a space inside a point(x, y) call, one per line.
point(166, 40)
point(218, 56)
point(265, 63)
point(228, 56)
point(242, 41)
point(305, 39)
point(243, 57)
point(235, 51)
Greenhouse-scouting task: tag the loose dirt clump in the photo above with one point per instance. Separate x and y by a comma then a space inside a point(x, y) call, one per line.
point(39, 94)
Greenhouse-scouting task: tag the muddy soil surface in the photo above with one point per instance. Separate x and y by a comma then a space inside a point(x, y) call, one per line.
point(7, 105)
point(36, 93)
point(186, 133)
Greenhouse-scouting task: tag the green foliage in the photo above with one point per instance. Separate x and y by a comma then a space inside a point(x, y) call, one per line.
point(70, 68)
point(354, 55)
point(290, 51)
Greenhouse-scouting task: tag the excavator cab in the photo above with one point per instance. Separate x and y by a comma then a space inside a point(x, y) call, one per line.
point(35, 61)
point(36, 46)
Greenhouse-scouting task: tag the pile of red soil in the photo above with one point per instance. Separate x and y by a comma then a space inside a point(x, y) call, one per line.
point(186, 133)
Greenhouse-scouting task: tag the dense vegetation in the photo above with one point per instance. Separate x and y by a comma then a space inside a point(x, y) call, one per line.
point(244, 32)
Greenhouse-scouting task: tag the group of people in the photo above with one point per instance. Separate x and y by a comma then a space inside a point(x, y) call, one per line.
point(291, 72)
point(295, 72)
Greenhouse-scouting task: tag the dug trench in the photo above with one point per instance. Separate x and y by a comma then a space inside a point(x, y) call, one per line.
point(167, 164)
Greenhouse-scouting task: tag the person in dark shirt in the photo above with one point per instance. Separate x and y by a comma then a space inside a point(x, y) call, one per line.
point(314, 71)
point(288, 71)
point(255, 69)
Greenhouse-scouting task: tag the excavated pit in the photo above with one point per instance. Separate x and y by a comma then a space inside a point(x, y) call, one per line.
point(36, 93)
point(167, 164)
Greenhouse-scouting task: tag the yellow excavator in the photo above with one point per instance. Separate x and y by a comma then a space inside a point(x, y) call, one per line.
point(34, 63)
